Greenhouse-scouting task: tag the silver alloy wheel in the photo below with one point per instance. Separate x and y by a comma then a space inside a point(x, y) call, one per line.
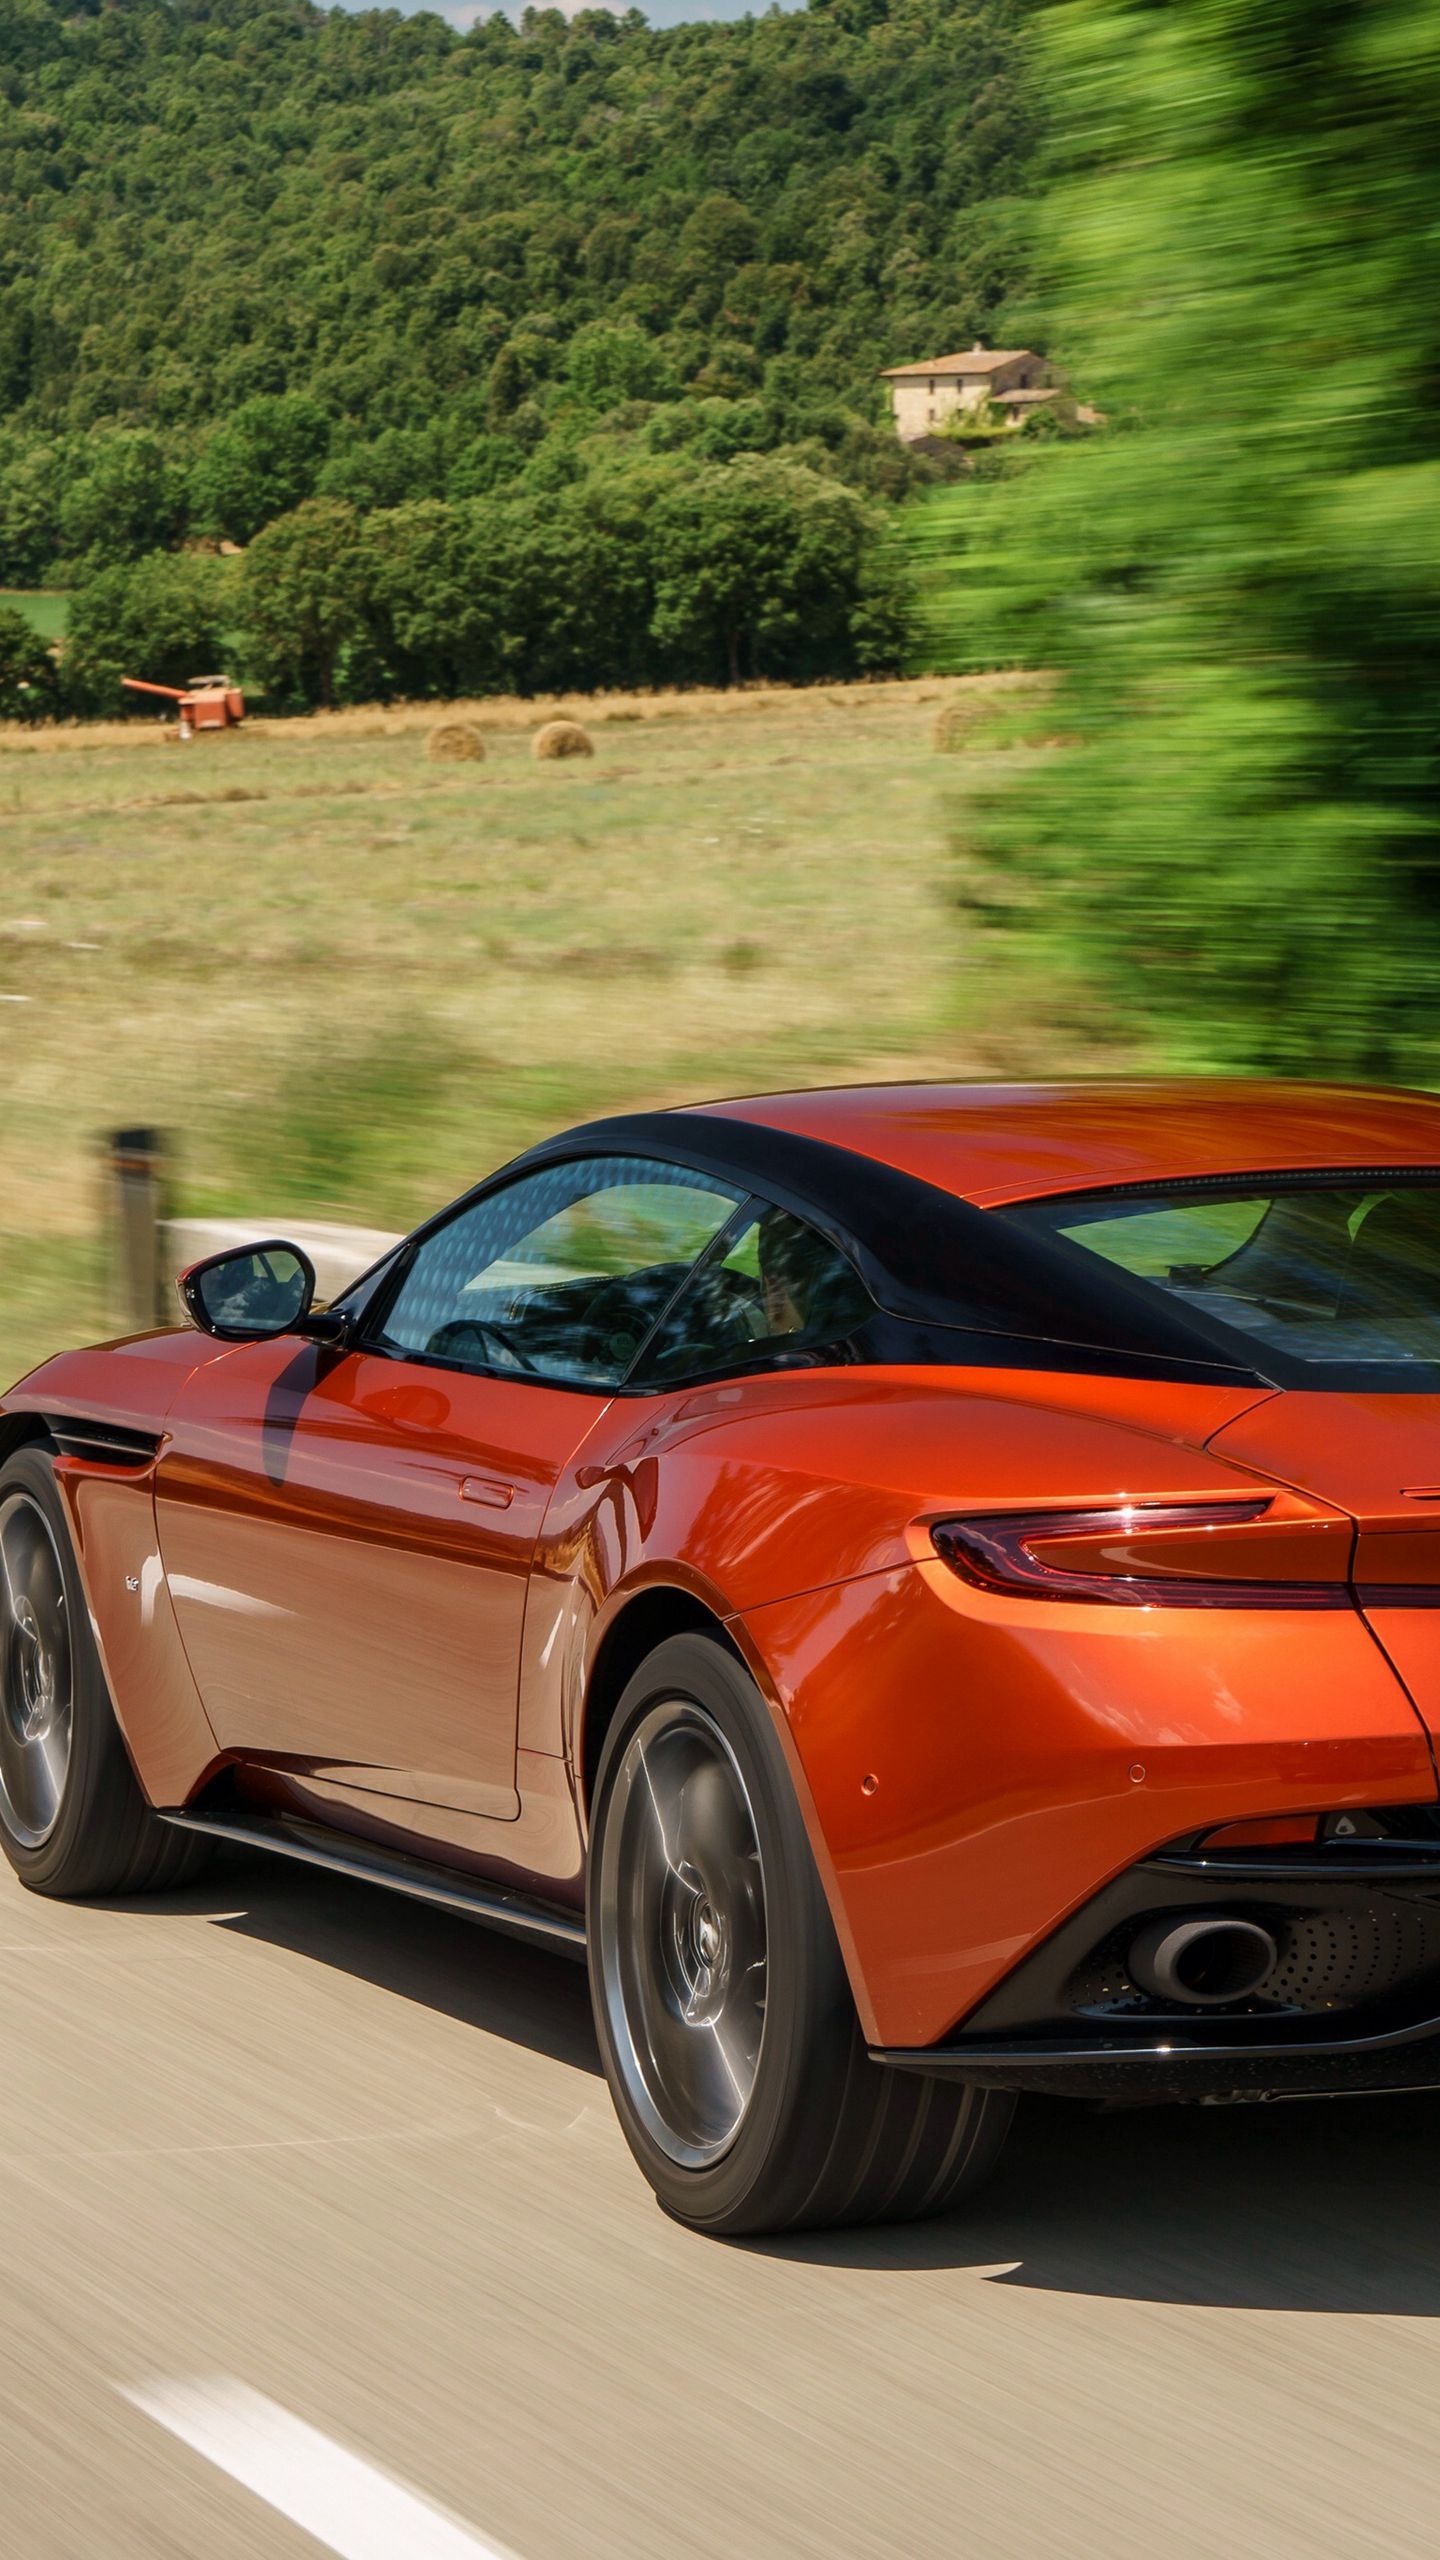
point(683, 1950)
point(36, 1697)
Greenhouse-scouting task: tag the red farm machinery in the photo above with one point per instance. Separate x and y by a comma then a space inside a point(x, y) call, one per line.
point(206, 702)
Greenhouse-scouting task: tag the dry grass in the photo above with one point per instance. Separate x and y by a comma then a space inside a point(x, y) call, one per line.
point(989, 704)
point(349, 983)
point(510, 712)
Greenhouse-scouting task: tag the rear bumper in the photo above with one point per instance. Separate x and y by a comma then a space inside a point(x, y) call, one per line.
point(1352, 2006)
point(1170, 2074)
point(977, 1768)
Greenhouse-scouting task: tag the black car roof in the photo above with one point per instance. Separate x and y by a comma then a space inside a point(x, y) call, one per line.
point(923, 1254)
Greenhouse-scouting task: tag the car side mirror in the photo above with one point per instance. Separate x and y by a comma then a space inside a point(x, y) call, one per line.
point(256, 1291)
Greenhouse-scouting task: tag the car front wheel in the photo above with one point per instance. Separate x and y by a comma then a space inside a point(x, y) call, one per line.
point(726, 2026)
point(72, 1816)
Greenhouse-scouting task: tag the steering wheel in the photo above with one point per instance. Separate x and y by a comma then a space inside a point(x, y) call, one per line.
point(615, 1323)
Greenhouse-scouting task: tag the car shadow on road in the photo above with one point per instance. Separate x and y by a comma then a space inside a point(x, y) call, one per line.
point(1304, 2206)
point(1301, 2206)
point(448, 1964)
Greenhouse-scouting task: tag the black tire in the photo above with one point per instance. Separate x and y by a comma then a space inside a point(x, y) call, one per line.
point(72, 1816)
point(702, 1945)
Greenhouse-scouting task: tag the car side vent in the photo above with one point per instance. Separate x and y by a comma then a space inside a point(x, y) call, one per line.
point(106, 1444)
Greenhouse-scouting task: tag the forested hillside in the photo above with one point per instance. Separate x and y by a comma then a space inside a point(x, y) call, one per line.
point(254, 254)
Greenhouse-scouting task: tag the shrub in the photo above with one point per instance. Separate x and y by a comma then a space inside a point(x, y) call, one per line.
point(163, 617)
point(28, 686)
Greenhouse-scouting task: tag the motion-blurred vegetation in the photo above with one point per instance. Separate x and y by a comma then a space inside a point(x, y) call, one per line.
point(1238, 834)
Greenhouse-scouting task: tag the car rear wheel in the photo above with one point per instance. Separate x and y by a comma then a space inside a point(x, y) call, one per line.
point(726, 2026)
point(72, 1817)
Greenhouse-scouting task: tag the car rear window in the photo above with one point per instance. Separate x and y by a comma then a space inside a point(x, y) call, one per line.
point(1337, 1275)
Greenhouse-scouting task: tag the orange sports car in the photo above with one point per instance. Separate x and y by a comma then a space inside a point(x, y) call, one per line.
point(932, 1590)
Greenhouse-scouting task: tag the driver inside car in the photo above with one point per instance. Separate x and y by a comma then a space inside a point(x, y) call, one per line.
point(787, 1263)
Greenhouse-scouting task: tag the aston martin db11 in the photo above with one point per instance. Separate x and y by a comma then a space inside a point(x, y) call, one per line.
point(932, 1591)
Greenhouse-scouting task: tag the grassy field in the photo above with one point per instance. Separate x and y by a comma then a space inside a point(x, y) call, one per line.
point(349, 979)
point(45, 607)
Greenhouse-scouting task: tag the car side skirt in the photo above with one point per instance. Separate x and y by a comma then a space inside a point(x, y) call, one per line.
point(517, 1915)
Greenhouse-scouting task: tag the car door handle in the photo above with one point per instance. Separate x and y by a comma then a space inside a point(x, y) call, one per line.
point(489, 1490)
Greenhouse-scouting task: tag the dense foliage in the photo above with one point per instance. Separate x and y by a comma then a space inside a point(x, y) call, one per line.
point(662, 574)
point(162, 618)
point(29, 688)
point(1240, 582)
point(256, 256)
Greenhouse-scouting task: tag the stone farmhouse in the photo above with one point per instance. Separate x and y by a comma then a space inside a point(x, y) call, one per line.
point(925, 397)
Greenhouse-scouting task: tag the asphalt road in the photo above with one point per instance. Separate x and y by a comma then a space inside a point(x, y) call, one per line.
point(308, 2193)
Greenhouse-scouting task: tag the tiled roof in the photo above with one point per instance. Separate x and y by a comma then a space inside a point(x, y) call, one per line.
point(975, 360)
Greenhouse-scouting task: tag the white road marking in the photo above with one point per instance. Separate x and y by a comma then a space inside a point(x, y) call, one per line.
point(347, 2505)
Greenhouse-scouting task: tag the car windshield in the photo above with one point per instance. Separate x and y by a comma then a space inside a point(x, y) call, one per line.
point(1343, 1274)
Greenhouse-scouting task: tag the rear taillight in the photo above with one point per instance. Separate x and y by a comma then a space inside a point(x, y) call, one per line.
point(1272, 1551)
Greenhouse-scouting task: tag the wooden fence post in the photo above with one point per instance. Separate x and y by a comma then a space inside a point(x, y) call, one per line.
point(135, 1187)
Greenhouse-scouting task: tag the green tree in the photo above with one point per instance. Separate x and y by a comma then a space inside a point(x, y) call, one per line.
point(759, 565)
point(575, 575)
point(637, 574)
point(302, 600)
point(31, 479)
point(125, 498)
point(427, 629)
point(261, 463)
point(1239, 581)
point(402, 463)
point(162, 618)
point(606, 365)
point(28, 688)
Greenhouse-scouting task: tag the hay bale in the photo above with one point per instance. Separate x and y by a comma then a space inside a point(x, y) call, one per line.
point(560, 738)
point(459, 741)
point(955, 726)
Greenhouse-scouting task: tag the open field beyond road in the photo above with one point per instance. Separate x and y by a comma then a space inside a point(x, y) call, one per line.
point(351, 979)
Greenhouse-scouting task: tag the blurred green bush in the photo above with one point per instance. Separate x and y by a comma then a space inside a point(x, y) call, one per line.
point(1237, 839)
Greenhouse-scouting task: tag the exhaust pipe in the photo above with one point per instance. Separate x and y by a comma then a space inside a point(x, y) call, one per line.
point(1200, 1964)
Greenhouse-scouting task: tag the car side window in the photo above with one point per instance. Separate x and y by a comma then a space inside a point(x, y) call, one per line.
point(561, 1274)
point(771, 1290)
